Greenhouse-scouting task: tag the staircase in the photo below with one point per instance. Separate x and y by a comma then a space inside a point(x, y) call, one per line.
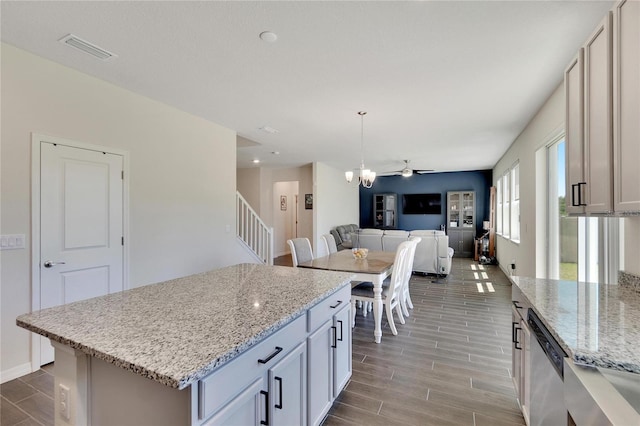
point(253, 232)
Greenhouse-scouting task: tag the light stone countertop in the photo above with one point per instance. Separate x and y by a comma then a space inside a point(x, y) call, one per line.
point(596, 324)
point(178, 331)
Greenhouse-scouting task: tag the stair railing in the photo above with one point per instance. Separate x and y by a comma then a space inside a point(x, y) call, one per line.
point(252, 230)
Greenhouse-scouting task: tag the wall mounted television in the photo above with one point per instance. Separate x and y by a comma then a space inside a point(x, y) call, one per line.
point(421, 204)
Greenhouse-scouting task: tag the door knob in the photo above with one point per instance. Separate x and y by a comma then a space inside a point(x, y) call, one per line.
point(49, 264)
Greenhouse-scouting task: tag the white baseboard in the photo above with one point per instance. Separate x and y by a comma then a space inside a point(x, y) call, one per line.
point(15, 372)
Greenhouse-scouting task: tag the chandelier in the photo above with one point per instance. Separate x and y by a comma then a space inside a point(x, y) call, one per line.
point(365, 176)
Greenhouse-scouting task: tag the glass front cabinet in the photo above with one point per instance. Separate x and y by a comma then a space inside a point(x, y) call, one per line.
point(461, 222)
point(385, 208)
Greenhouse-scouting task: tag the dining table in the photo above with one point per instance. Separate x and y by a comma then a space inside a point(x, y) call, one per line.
point(374, 268)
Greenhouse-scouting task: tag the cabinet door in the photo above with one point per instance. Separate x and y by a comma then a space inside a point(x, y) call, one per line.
point(598, 120)
point(516, 351)
point(574, 141)
point(626, 106)
point(467, 243)
point(468, 209)
point(453, 210)
point(288, 388)
point(455, 238)
point(525, 370)
point(320, 372)
point(342, 350)
point(248, 408)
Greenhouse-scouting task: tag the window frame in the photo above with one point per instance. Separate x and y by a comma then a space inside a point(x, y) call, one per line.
point(508, 203)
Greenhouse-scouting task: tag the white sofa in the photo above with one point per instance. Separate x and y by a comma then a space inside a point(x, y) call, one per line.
point(433, 254)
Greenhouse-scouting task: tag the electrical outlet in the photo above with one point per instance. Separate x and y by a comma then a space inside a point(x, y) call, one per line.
point(65, 411)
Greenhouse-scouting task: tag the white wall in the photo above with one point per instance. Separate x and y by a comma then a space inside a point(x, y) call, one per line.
point(249, 185)
point(548, 121)
point(284, 221)
point(256, 185)
point(336, 202)
point(182, 182)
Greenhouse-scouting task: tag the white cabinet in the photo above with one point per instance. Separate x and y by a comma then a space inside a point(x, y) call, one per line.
point(602, 95)
point(626, 106)
point(329, 349)
point(247, 387)
point(520, 352)
point(588, 91)
point(247, 408)
point(288, 388)
point(320, 372)
point(574, 128)
point(290, 378)
point(342, 350)
point(276, 397)
point(597, 120)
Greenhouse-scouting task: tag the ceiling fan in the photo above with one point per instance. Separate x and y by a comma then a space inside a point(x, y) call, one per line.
point(406, 171)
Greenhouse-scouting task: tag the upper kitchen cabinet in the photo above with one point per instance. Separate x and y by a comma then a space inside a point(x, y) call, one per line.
point(595, 190)
point(602, 94)
point(574, 126)
point(626, 106)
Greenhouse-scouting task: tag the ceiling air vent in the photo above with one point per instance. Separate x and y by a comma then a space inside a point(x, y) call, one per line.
point(86, 47)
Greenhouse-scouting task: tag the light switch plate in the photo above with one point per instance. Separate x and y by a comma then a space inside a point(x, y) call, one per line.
point(12, 241)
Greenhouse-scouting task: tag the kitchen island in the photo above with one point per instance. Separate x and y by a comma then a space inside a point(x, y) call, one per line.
point(598, 327)
point(217, 347)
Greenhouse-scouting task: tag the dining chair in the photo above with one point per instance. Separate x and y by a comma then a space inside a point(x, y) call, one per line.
point(330, 243)
point(391, 294)
point(405, 300)
point(300, 250)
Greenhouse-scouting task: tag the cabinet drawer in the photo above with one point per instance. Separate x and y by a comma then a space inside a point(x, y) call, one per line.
point(221, 386)
point(328, 307)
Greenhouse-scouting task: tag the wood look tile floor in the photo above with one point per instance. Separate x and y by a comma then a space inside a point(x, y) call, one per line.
point(450, 364)
point(28, 400)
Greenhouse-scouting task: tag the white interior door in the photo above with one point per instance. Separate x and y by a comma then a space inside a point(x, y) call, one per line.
point(81, 227)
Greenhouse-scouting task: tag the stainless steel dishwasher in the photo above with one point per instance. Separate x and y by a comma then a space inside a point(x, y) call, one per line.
point(547, 405)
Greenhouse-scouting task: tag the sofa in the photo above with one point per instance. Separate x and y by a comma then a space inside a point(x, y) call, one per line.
point(342, 235)
point(433, 254)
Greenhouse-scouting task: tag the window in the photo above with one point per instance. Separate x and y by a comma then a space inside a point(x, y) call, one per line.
point(578, 248)
point(562, 230)
point(499, 207)
point(508, 204)
point(506, 198)
point(515, 203)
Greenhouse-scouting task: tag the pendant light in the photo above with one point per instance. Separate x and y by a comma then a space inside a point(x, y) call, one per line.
point(365, 176)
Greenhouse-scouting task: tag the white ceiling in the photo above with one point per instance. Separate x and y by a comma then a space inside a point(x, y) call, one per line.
point(447, 84)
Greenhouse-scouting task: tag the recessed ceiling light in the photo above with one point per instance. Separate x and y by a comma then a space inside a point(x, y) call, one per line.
point(269, 129)
point(268, 36)
point(256, 161)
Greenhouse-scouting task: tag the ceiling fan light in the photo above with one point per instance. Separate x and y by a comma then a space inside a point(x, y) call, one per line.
point(407, 172)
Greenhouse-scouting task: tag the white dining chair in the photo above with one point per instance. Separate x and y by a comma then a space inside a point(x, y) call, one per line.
point(391, 294)
point(405, 300)
point(301, 250)
point(330, 243)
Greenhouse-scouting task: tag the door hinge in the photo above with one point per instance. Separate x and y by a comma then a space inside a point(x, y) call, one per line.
point(122, 174)
point(122, 240)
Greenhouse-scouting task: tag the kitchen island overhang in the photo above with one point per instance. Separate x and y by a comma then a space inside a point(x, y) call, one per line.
point(178, 332)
